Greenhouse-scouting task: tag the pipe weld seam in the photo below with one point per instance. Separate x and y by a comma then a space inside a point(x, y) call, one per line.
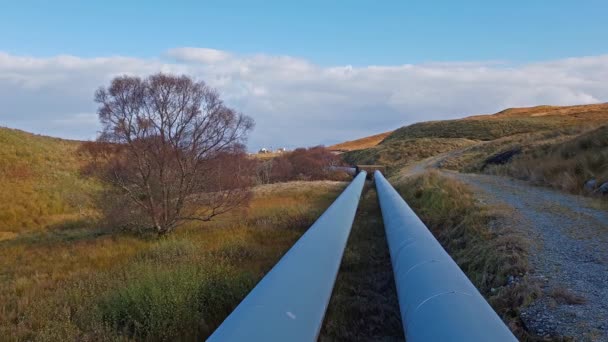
point(438, 295)
point(420, 264)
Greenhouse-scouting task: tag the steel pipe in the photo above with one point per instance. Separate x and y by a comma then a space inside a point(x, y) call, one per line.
point(437, 300)
point(289, 303)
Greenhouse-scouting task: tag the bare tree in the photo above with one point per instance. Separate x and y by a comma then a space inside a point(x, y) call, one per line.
point(172, 148)
point(263, 171)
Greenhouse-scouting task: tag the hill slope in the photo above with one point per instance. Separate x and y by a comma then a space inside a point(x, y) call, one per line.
point(40, 181)
point(557, 146)
point(360, 144)
point(506, 123)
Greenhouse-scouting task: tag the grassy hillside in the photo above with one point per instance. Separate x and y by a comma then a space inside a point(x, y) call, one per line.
point(400, 151)
point(474, 158)
point(475, 139)
point(564, 164)
point(64, 278)
point(478, 129)
point(360, 144)
point(40, 182)
point(506, 123)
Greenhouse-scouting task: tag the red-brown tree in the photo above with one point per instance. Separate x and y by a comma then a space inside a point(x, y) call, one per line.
point(171, 150)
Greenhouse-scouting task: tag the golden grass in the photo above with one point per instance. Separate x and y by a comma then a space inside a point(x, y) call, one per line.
point(474, 129)
point(594, 111)
point(473, 159)
point(266, 156)
point(40, 182)
point(401, 152)
point(512, 128)
point(80, 283)
point(361, 143)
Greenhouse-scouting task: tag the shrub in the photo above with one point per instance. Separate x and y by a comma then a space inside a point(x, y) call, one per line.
point(312, 163)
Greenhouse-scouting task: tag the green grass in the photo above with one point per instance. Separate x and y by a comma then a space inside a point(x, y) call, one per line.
point(167, 303)
point(40, 181)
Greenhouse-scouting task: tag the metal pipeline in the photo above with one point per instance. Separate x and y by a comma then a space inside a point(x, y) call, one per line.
point(289, 303)
point(437, 300)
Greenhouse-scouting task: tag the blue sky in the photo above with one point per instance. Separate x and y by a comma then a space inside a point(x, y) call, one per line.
point(324, 32)
point(308, 72)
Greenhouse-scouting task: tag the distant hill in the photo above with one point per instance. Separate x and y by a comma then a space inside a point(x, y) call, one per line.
point(40, 181)
point(506, 123)
point(360, 144)
point(589, 111)
point(489, 126)
point(507, 129)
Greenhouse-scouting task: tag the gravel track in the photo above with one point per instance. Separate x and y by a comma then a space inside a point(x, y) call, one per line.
point(569, 254)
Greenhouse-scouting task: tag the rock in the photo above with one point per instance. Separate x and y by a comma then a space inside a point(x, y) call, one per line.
point(590, 184)
point(501, 158)
point(603, 189)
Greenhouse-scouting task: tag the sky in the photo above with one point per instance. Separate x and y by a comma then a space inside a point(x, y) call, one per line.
point(313, 72)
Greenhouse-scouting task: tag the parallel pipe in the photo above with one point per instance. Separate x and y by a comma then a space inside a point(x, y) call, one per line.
point(437, 300)
point(289, 303)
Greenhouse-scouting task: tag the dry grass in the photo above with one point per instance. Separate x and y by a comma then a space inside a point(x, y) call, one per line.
point(361, 143)
point(564, 296)
point(79, 283)
point(564, 164)
point(493, 256)
point(297, 187)
point(364, 305)
point(473, 129)
point(401, 152)
point(592, 111)
point(40, 181)
point(473, 159)
point(523, 128)
point(266, 156)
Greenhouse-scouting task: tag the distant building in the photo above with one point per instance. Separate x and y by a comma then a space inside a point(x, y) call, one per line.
point(264, 150)
point(281, 150)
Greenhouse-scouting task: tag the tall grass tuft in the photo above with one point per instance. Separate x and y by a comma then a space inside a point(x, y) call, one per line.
point(182, 303)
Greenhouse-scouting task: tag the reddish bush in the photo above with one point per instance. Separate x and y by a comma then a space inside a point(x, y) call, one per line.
point(312, 163)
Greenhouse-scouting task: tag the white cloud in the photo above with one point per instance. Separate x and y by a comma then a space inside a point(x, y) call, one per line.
point(296, 102)
point(201, 55)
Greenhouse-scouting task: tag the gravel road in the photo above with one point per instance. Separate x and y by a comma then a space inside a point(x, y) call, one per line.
point(569, 255)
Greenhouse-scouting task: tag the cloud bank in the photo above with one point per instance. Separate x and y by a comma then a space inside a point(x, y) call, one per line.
point(294, 101)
